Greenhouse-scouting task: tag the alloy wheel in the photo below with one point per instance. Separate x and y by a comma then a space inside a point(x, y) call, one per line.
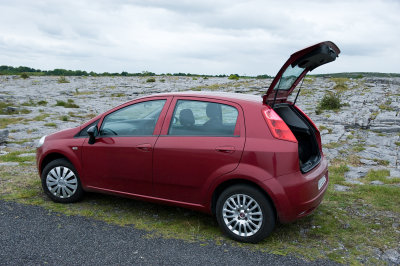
point(242, 215)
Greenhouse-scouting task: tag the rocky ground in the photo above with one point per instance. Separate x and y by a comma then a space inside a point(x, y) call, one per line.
point(363, 137)
point(366, 129)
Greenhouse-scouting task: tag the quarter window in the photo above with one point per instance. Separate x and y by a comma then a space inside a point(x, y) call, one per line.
point(199, 118)
point(136, 119)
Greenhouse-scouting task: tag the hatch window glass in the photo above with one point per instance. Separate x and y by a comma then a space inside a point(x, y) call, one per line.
point(199, 118)
point(289, 77)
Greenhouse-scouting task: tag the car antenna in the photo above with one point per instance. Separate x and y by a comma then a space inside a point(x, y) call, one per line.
point(298, 92)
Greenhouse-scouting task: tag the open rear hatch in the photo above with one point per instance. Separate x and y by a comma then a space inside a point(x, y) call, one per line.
point(291, 73)
point(296, 67)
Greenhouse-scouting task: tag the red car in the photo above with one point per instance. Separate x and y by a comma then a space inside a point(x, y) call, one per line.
point(250, 161)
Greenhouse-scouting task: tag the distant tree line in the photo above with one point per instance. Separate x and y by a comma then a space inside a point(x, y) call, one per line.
point(357, 75)
point(9, 70)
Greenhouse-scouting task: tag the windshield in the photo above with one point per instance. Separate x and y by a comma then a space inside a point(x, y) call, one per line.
point(289, 77)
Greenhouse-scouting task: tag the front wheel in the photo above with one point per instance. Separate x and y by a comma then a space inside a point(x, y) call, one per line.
point(60, 181)
point(245, 214)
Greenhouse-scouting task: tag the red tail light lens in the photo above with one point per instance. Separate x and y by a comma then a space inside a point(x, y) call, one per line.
point(277, 126)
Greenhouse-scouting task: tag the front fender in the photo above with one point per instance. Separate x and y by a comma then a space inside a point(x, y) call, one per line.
point(72, 152)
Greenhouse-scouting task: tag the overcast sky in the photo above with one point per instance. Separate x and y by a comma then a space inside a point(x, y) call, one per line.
point(205, 37)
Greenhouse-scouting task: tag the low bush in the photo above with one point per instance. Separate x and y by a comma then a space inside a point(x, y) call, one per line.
point(24, 76)
point(330, 101)
point(62, 79)
point(233, 76)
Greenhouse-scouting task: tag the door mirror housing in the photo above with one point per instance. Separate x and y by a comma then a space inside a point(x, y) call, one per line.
point(92, 132)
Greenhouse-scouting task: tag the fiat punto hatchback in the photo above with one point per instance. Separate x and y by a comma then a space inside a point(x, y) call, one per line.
point(249, 160)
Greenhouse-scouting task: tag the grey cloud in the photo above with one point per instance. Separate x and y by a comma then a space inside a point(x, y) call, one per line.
point(195, 36)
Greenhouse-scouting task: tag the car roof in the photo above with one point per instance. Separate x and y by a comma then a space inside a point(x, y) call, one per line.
point(216, 95)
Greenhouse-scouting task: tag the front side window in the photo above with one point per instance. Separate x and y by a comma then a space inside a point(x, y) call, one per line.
point(133, 120)
point(199, 118)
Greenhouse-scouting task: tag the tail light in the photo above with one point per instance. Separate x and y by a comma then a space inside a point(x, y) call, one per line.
point(277, 126)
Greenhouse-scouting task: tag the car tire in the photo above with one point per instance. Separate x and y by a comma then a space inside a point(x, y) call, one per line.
point(60, 181)
point(245, 214)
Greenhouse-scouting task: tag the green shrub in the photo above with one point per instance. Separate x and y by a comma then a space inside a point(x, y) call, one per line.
point(233, 76)
point(330, 101)
point(62, 79)
point(24, 76)
point(151, 80)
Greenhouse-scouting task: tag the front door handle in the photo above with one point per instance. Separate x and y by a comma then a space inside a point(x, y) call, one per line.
point(144, 147)
point(225, 149)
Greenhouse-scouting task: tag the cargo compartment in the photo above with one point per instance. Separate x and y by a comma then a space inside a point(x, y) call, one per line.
point(309, 153)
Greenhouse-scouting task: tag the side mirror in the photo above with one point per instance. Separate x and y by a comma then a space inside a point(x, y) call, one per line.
point(92, 132)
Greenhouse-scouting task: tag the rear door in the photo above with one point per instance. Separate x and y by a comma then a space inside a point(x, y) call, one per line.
point(201, 139)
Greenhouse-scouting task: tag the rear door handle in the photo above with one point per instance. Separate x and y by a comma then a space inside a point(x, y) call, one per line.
point(144, 147)
point(225, 149)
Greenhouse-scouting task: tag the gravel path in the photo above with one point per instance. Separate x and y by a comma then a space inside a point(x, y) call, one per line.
point(32, 235)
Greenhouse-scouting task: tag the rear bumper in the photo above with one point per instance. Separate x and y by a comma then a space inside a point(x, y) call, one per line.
point(298, 194)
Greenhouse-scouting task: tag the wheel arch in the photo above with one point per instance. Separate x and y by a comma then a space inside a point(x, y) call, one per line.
point(51, 157)
point(224, 185)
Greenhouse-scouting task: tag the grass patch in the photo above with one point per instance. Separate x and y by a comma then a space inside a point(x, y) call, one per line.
point(8, 108)
point(4, 122)
point(119, 94)
point(381, 162)
point(151, 80)
point(353, 159)
point(333, 145)
point(33, 103)
point(341, 85)
point(13, 157)
point(62, 79)
point(358, 148)
point(309, 80)
point(77, 92)
point(41, 117)
point(68, 104)
point(321, 128)
point(50, 125)
point(306, 92)
point(381, 175)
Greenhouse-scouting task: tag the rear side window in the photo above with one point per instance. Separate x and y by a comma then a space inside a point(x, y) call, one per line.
point(200, 118)
point(134, 120)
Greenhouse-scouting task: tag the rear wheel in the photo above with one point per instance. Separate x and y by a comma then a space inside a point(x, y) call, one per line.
point(245, 214)
point(60, 181)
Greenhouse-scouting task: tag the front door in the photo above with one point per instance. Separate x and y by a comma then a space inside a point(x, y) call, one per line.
point(122, 156)
point(201, 139)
